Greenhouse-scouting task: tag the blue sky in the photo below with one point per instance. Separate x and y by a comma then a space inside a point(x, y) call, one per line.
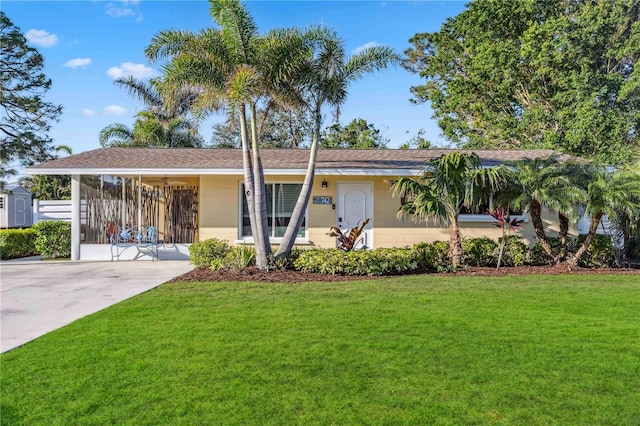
point(86, 44)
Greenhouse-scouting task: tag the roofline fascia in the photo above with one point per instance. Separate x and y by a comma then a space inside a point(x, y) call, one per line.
point(210, 172)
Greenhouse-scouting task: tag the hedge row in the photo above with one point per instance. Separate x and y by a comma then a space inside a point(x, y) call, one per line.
point(16, 243)
point(49, 238)
point(217, 254)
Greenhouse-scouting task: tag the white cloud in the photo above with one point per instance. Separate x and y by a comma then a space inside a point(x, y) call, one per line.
point(78, 62)
point(114, 110)
point(41, 38)
point(88, 112)
point(127, 69)
point(119, 12)
point(365, 46)
point(124, 9)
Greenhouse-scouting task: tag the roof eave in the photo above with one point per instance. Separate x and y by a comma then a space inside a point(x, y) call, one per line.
point(210, 172)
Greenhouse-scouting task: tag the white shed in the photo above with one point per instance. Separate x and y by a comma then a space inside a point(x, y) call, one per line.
point(15, 208)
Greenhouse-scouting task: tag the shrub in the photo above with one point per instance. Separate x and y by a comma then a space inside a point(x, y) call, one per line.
point(479, 252)
point(433, 255)
point(359, 262)
point(54, 238)
point(599, 254)
point(538, 256)
point(284, 263)
point(238, 258)
point(17, 243)
point(516, 252)
point(203, 253)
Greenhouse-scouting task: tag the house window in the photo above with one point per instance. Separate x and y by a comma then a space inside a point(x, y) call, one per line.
point(281, 200)
point(1, 202)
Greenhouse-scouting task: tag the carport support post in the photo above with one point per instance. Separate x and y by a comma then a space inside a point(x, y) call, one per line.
point(75, 217)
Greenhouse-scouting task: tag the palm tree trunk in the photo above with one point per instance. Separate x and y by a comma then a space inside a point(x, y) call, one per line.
point(535, 210)
point(563, 223)
point(455, 243)
point(248, 170)
point(593, 227)
point(261, 238)
point(305, 193)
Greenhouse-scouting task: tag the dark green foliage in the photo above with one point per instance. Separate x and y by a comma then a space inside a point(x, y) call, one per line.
point(516, 252)
point(358, 134)
point(357, 262)
point(539, 257)
point(599, 254)
point(25, 116)
point(54, 238)
point(16, 243)
point(535, 74)
point(433, 255)
point(284, 263)
point(202, 253)
point(479, 252)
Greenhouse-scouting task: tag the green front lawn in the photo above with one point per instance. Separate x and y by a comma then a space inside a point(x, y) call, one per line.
point(412, 350)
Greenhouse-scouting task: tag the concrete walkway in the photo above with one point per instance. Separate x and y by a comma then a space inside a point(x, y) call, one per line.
point(40, 296)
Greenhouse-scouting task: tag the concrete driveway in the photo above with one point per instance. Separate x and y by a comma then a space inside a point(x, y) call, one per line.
point(41, 296)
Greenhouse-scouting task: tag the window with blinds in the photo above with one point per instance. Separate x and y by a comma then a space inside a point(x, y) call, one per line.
point(281, 200)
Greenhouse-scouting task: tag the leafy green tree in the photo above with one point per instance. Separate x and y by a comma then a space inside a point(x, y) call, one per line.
point(535, 74)
point(358, 134)
point(417, 141)
point(26, 117)
point(323, 80)
point(277, 129)
point(49, 187)
point(614, 194)
point(449, 183)
point(236, 68)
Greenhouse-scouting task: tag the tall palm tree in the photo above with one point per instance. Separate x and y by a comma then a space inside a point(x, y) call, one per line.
point(235, 68)
point(327, 73)
point(614, 194)
point(546, 183)
point(448, 183)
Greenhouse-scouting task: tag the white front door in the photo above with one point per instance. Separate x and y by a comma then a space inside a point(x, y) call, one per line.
point(355, 205)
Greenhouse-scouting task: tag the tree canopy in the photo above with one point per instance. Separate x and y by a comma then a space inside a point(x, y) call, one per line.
point(26, 116)
point(358, 134)
point(553, 74)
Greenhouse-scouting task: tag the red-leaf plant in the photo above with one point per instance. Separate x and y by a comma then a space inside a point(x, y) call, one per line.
point(508, 224)
point(347, 241)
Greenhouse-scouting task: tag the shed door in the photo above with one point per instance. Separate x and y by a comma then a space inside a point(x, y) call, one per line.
point(21, 212)
point(355, 205)
point(3, 212)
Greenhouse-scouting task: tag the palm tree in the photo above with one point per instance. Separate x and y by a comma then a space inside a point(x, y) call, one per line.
point(163, 124)
point(149, 131)
point(234, 67)
point(327, 74)
point(546, 183)
point(164, 108)
point(448, 183)
point(614, 194)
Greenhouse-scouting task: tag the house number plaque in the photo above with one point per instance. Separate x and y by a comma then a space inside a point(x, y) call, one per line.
point(322, 200)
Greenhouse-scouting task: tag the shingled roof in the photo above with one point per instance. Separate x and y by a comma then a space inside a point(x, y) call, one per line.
point(286, 161)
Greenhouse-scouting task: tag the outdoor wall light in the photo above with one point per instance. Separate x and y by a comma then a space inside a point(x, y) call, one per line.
point(325, 184)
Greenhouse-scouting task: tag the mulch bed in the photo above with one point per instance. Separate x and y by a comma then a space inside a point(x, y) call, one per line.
point(277, 276)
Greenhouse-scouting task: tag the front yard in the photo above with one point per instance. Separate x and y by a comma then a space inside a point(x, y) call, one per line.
point(411, 350)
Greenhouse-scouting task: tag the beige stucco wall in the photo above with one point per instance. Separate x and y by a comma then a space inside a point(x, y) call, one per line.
point(219, 214)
